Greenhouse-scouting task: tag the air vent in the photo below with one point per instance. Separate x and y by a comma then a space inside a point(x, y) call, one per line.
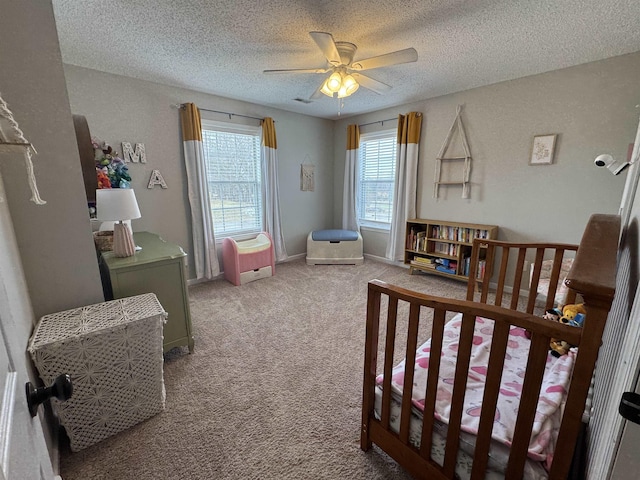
point(302, 100)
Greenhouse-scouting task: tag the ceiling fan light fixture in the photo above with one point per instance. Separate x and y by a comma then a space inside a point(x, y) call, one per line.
point(350, 85)
point(334, 82)
point(339, 56)
point(325, 89)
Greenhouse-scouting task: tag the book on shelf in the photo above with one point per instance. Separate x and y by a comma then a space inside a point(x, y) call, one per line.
point(420, 243)
point(442, 268)
point(423, 265)
point(482, 265)
point(443, 261)
point(411, 238)
point(458, 234)
point(466, 263)
point(424, 260)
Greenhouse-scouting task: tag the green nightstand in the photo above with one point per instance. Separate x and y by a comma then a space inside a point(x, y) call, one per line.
point(158, 268)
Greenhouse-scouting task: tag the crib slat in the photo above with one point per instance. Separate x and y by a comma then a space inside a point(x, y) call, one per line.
point(473, 272)
point(517, 279)
point(490, 398)
point(528, 402)
point(503, 274)
point(536, 272)
point(437, 332)
point(392, 314)
point(553, 279)
point(370, 365)
point(410, 361)
point(533, 288)
point(571, 297)
point(488, 272)
point(459, 387)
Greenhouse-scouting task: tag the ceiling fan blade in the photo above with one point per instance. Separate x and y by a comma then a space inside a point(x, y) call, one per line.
point(371, 84)
point(297, 70)
point(394, 58)
point(317, 94)
point(328, 46)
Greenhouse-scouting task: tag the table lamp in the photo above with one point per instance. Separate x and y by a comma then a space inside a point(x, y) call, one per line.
point(118, 205)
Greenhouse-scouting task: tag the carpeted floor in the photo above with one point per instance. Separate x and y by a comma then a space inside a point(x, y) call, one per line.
point(273, 389)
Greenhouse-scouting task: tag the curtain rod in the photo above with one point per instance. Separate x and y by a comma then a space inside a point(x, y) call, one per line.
point(181, 105)
point(379, 121)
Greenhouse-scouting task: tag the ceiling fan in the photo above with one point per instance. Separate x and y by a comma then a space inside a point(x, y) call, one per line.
point(344, 78)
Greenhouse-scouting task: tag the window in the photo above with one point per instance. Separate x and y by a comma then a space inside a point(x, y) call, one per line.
point(377, 169)
point(232, 155)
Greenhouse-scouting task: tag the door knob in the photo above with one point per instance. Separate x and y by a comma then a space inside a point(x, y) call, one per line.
point(61, 388)
point(629, 406)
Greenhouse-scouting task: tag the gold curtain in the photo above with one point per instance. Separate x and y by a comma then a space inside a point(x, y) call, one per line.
point(353, 137)
point(269, 133)
point(190, 121)
point(409, 128)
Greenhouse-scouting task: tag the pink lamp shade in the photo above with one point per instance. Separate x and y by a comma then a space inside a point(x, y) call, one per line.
point(118, 204)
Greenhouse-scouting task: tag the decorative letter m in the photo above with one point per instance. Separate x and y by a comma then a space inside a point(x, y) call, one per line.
point(136, 156)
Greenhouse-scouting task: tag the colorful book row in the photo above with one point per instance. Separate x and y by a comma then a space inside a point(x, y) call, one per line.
point(459, 234)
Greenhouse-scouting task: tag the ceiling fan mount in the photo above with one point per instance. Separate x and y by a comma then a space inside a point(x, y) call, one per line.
point(346, 50)
point(344, 77)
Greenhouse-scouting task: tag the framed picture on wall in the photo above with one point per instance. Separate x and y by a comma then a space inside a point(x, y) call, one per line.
point(542, 149)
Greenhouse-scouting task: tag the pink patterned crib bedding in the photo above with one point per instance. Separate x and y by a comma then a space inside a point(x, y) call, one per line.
point(552, 395)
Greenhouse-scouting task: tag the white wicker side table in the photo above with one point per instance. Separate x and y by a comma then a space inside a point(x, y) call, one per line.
point(113, 353)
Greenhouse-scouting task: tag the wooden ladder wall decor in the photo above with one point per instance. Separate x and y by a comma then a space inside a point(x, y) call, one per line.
point(457, 125)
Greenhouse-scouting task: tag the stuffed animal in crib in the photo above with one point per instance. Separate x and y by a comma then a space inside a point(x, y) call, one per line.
point(552, 314)
point(572, 314)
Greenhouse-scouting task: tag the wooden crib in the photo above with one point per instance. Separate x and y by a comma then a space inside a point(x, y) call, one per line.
point(592, 279)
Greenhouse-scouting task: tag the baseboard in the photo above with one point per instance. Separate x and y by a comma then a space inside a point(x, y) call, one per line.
point(397, 263)
point(293, 257)
point(196, 281)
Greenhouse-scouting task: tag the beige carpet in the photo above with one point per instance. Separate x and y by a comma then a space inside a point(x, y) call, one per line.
point(273, 389)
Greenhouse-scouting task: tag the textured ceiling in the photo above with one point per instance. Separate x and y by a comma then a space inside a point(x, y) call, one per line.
point(222, 46)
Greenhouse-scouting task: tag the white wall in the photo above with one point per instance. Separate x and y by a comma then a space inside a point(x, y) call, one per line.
point(50, 264)
point(56, 246)
point(121, 109)
point(591, 107)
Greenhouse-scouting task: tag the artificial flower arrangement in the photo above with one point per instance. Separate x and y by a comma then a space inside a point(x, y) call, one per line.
point(111, 170)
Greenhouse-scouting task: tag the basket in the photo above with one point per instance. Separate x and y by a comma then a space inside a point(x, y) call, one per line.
point(103, 240)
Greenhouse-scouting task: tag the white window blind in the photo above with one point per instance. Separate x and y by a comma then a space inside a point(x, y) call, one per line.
point(377, 169)
point(232, 154)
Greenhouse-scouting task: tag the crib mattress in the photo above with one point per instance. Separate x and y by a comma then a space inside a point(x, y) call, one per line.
point(550, 404)
point(498, 453)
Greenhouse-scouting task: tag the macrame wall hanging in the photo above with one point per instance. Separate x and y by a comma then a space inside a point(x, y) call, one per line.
point(12, 140)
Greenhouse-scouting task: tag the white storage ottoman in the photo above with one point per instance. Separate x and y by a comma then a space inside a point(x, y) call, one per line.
point(113, 353)
point(334, 247)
